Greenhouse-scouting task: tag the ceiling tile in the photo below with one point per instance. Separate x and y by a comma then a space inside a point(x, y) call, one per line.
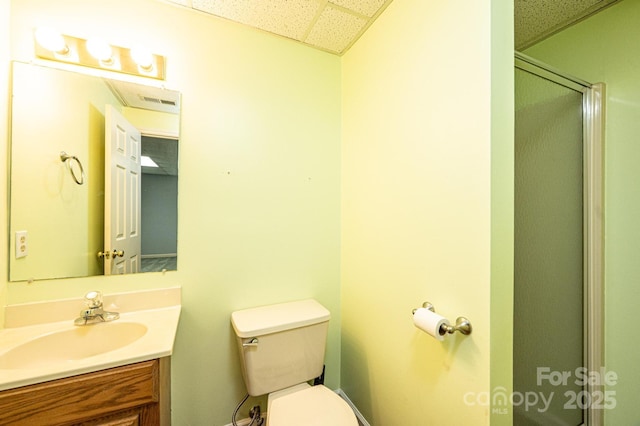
point(289, 18)
point(537, 19)
point(182, 2)
point(335, 29)
point(364, 7)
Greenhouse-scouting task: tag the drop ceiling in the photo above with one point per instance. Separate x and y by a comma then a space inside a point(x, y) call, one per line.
point(335, 25)
point(536, 20)
point(329, 25)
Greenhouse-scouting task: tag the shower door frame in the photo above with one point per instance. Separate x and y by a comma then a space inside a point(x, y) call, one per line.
point(593, 96)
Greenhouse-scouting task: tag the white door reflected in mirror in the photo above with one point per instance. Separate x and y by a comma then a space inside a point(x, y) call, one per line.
point(123, 150)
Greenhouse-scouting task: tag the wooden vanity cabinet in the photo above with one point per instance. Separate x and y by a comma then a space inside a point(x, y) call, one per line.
point(131, 395)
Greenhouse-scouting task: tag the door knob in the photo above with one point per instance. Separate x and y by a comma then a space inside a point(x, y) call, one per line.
point(107, 254)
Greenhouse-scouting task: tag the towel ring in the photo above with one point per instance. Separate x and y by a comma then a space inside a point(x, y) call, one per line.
point(64, 157)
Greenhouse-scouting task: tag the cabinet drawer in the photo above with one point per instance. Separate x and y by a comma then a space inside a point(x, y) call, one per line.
point(80, 398)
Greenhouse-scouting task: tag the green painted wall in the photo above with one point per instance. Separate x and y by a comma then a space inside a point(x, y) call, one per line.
point(43, 190)
point(5, 67)
point(603, 49)
point(259, 207)
point(417, 197)
point(502, 210)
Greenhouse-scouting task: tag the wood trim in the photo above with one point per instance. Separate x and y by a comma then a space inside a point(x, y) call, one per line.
point(165, 391)
point(594, 247)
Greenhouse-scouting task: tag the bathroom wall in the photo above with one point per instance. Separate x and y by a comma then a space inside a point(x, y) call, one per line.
point(602, 49)
point(5, 66)
point(502, 210)
point(159, 214)
point(427, 106)
point(40, 182)
point(153, 122)
point(259, 188)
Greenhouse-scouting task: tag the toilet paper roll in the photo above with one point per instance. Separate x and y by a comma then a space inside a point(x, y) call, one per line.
point(430, 322)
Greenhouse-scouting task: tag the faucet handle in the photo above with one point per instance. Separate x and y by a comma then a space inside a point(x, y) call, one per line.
point(93, 299)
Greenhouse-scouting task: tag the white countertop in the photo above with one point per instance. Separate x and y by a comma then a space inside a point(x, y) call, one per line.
point(160, 318)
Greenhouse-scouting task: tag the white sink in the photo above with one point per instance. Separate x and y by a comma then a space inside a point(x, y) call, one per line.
point(72, 344)
point(40, 341)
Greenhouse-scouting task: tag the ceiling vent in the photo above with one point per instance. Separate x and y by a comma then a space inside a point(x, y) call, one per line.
point(146, 97)
point(158, 100)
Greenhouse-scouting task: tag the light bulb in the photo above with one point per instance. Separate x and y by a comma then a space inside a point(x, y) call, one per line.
point(142, 57)
point(99, 49)
point(51, 39)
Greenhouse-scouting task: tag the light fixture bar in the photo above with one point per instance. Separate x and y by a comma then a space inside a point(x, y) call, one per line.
point(122, 59)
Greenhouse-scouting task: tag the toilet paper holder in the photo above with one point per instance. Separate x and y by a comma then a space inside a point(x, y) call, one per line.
point(462, 325)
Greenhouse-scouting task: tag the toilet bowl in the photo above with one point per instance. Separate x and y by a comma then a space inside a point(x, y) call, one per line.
point(309, 406)
point(282, 348)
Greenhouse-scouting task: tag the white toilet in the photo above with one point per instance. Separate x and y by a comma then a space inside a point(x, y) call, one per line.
point(281, 349)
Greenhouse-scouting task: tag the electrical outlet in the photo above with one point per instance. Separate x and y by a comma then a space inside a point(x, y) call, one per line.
point(22, 247)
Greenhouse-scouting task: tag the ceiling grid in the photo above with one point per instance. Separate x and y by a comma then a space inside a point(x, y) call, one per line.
point(334, 25)
point(329, 25)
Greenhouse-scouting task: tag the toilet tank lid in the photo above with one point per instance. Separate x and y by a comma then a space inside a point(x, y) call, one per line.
point(274, 318)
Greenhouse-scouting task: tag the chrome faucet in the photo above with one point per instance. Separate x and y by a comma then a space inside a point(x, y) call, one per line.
point(94, 312)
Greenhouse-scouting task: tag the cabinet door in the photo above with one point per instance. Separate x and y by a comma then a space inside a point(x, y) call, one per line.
point(127, 395)
point(124, 419)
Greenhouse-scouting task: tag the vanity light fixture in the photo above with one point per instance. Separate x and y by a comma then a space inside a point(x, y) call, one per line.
point(142, 57)
point(100, 50)
point(52, 40)
point(98, 53)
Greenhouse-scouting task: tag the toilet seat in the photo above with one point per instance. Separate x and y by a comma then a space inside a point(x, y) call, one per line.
point(310, 406)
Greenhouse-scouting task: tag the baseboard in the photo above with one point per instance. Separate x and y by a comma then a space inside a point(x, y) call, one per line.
point(361, 420)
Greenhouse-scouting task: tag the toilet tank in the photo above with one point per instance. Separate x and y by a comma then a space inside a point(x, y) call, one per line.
point(281, 345)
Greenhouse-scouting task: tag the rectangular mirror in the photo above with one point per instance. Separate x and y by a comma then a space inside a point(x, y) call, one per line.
point(94, 175)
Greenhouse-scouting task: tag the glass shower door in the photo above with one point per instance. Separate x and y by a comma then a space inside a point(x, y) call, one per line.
point(549, 341)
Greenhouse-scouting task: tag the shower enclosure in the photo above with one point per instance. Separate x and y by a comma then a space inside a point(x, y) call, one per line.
point(557, 269)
